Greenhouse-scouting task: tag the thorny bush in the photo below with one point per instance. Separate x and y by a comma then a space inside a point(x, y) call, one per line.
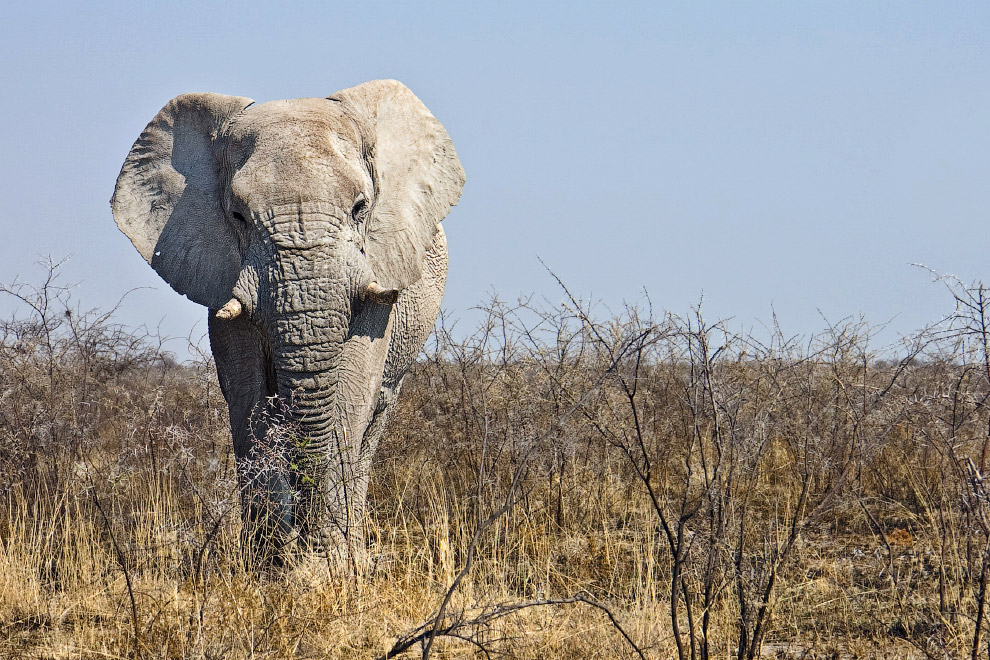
point(712, 492)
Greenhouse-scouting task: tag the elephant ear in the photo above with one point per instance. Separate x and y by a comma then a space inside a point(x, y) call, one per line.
point(418, 177)
point(168, 198)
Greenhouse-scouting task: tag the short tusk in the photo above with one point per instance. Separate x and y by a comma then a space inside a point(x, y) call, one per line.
point(376, 293)
point(231, 310)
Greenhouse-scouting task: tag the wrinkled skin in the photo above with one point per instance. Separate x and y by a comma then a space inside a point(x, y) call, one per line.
point(310, 228)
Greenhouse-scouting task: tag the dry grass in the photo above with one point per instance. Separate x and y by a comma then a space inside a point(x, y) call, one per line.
point(703, 493)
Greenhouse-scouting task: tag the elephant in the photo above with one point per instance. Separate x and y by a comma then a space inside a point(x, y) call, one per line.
point(310, 228)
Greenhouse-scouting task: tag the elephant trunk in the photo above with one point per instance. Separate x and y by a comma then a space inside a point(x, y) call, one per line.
point(310, 323)
point(301, 284)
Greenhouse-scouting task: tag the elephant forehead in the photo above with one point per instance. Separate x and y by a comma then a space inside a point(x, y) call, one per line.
point(296, 120)
point(299, 146)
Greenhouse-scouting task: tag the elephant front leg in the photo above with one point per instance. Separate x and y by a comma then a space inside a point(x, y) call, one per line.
point(267, 494)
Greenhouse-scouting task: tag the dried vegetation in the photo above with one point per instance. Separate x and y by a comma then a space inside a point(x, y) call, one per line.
point(558, 483)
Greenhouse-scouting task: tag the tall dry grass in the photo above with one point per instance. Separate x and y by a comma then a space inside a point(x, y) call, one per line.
point(555, 483)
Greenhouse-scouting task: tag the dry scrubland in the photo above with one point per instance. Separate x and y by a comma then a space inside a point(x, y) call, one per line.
point(560, 483)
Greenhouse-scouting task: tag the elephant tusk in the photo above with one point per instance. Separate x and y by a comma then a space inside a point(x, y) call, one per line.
point(231, 310)
point(376, 293)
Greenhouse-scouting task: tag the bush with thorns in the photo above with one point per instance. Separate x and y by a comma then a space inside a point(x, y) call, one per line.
point(558, 482)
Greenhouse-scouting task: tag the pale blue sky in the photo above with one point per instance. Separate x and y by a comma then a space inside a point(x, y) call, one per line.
point(789, 154)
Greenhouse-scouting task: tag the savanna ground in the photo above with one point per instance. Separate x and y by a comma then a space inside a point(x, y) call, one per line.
point(559, 483)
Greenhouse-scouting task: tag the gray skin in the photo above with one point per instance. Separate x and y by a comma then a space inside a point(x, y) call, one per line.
point(311, 229)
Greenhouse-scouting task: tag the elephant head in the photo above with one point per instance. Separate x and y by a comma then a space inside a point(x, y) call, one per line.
point(310, 228)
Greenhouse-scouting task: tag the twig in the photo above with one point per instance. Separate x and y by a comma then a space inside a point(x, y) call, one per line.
point(123, 568)
point(489, 614)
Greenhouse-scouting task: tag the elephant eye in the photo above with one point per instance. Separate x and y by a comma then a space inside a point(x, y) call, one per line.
point(359, 207)
point(239, 218)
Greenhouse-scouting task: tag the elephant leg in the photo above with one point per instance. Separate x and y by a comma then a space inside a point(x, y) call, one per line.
point(369, 444)
point(247, 383)
point(412, 320)
point(379, 420)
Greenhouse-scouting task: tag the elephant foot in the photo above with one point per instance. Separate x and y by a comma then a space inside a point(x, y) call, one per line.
point(341, 555)
point(330, 569)
point(268, 532)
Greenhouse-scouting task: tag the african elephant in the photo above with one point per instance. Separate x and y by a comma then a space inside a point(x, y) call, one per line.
point(311, 230)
